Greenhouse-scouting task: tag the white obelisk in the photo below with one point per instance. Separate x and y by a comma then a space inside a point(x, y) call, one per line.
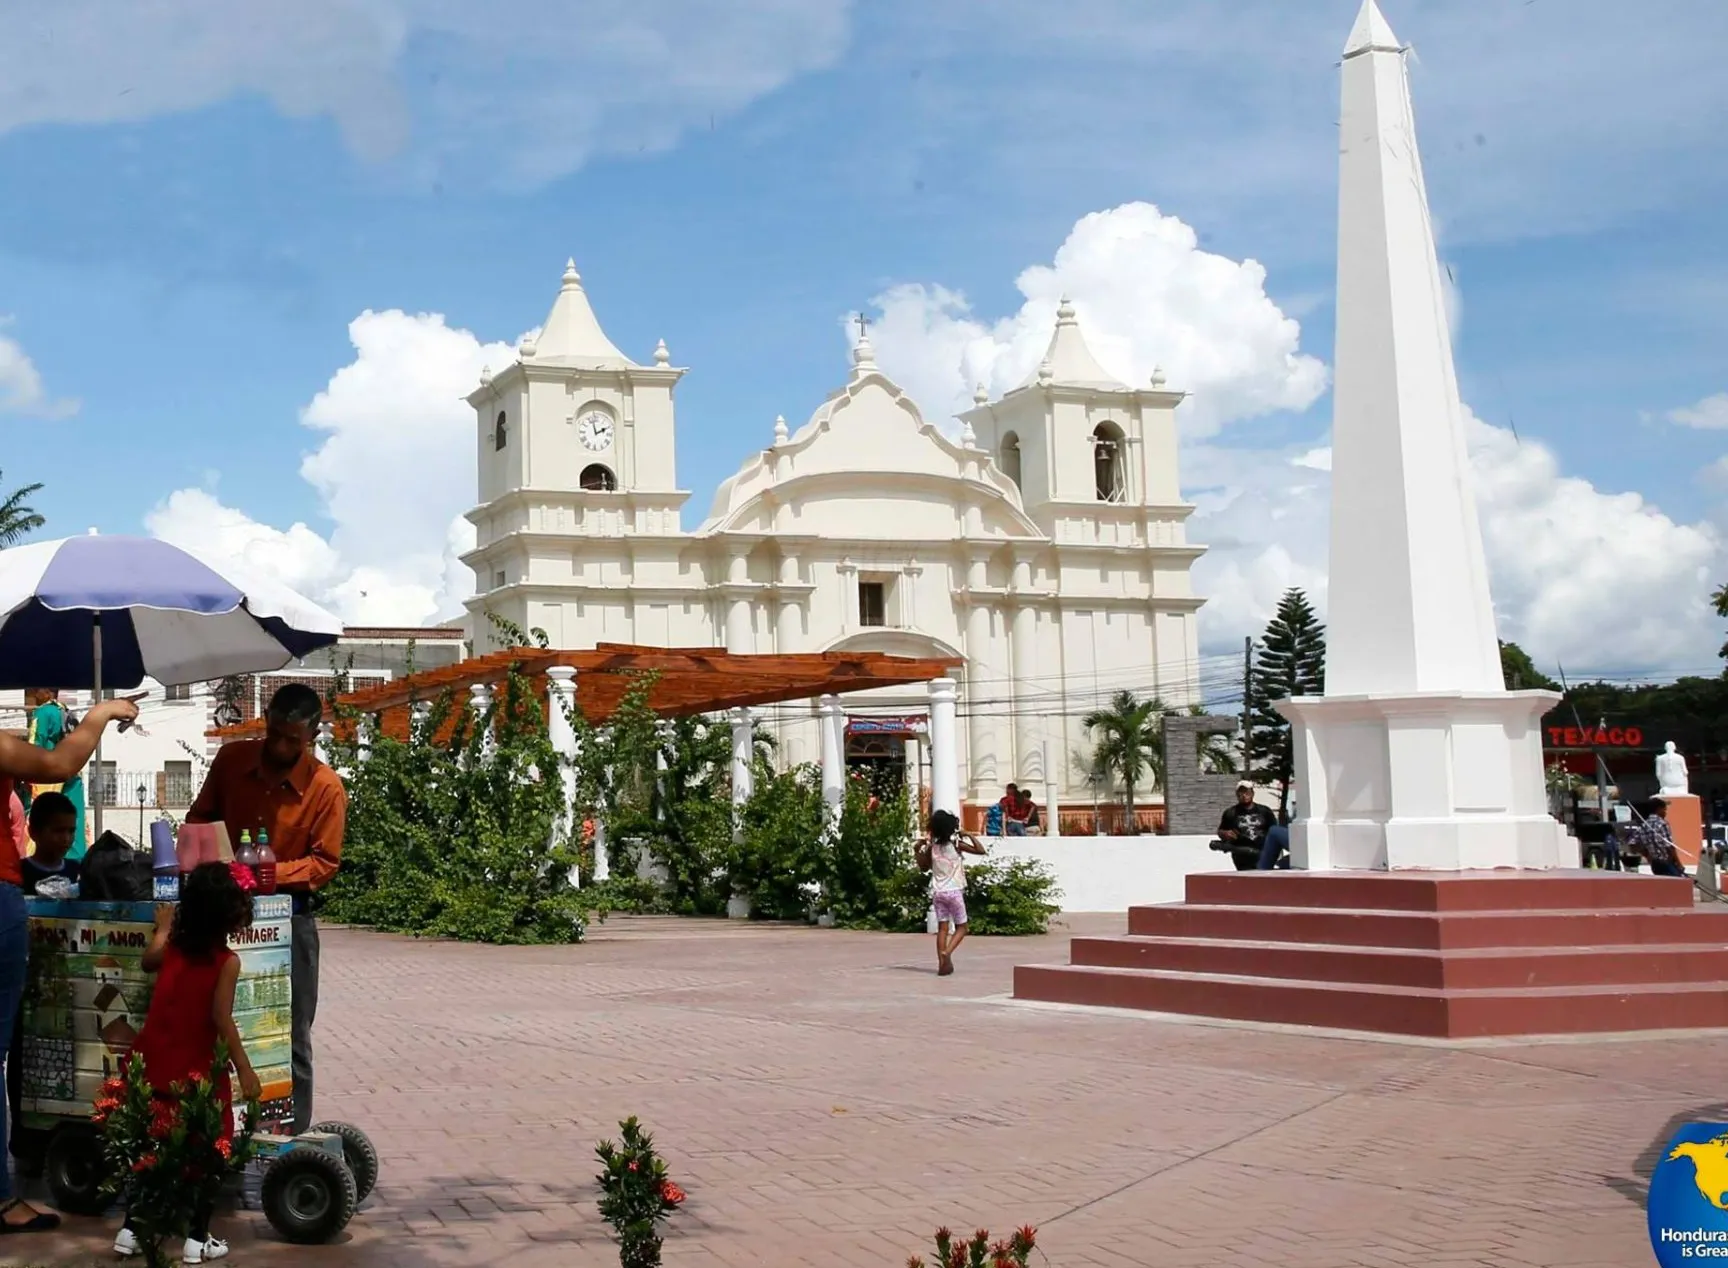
point(1417, 756)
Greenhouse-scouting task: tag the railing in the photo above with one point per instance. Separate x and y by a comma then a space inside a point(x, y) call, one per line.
point(152, 789)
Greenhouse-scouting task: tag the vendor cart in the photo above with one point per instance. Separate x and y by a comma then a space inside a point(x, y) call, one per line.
point(84, 1002)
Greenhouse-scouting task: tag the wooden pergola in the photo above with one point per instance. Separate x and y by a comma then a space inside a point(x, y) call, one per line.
point(688, 680)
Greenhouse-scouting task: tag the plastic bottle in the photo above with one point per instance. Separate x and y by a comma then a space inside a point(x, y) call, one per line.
point(266, 866)
point(246, 856)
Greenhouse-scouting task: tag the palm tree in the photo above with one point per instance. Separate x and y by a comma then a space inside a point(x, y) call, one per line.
point(17, 517)
point(1719, 601)
point(1129, 743)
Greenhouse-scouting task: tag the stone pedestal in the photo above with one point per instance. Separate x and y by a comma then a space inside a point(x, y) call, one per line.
point(1434, 781)
point(1686, 822)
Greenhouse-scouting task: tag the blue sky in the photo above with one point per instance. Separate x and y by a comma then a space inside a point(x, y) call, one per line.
point(203, 197)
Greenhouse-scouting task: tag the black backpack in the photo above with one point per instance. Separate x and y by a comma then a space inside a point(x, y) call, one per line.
point(114, 872)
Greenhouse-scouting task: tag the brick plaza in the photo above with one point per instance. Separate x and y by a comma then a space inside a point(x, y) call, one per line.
point(827, 1099)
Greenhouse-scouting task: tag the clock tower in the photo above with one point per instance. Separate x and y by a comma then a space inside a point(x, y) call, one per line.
point(573, 438)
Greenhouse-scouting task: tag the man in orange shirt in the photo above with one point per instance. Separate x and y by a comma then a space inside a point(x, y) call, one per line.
point(276, 785)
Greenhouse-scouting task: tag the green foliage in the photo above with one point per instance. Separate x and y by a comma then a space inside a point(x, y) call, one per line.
point(1520, 671)
point(627, 895)
point(170, 1155)
point(460, 838)
point(872, 880)
point(1128, 745)
point(1693, 712)
point(18, 519)
point(1719, 601)
point(1015, 898)
point(671, 798)
point(1292, 662)
point(636, 1195)
point(781, 848)
point(979, 1251)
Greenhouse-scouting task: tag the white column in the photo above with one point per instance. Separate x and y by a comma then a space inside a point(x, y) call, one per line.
point(560, 705)
point(980, 683)
point(326, 733)
point(944, 751)
point(743, 746)
point(602, 863)
point(786, 632)
point(482, 701)
point(738, 624)
point(363, 729)
point(1052, 822)
point(1025, 660)
point(830, 720)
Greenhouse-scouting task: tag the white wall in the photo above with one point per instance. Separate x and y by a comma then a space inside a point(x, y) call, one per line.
point(1115, 873)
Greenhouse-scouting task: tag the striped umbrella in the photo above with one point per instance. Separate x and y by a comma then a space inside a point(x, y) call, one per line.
point(99, 612)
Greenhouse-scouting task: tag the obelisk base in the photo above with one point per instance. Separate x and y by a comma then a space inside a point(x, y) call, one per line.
point(1686, 822)
point(1438, 781)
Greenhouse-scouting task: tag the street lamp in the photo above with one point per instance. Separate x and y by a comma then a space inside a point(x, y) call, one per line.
point(142, 791)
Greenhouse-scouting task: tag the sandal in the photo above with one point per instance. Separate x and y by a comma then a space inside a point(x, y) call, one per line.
point(39, 1221)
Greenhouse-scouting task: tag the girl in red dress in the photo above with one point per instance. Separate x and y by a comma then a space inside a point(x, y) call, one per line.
point(192, 1010)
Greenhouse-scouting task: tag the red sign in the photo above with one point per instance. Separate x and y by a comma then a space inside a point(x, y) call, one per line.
point(1595, 737)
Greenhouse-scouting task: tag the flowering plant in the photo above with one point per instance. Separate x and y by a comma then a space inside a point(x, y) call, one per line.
point(169, 1154)
point(635, 1194)
point(980, 1252)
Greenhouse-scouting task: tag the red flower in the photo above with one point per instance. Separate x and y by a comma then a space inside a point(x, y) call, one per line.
point(1025, 1238)
point(225, 1147)
point(145, 1163)
point(671, 1193)
point(631, 1167)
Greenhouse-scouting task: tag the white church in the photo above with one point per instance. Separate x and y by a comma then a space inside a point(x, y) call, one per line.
point(1045, 548)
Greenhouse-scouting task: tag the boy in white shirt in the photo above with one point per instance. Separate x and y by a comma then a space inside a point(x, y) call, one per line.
point(939, 854)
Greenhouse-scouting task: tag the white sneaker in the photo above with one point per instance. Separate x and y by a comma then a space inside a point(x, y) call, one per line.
point(205, 1251)
point(126, 1245)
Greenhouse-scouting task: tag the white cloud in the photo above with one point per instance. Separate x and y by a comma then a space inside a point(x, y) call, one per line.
point(1594, 580)
point(451, 89)
point(1146, 296)
point(21, 388)
point(395, 470)
point(1709, 414)
point(1597, 582)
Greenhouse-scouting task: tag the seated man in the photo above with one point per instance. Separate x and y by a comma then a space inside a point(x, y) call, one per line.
point(1031, 823)
point(1244, 828)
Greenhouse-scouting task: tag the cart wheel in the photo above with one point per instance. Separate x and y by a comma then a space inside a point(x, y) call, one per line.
point(75, 1169)
point(358, 1153)
point(308, 1195)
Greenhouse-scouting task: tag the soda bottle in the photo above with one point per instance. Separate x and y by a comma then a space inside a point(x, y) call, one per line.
point(266, 868)
point(246, 856)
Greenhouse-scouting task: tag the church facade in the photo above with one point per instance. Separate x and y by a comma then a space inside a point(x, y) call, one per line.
point(1045, 547)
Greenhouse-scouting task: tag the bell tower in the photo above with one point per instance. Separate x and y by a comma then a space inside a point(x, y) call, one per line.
point(1072, 436)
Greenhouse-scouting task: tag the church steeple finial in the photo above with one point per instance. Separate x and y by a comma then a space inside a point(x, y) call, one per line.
point(863, 354)
point(572, 333)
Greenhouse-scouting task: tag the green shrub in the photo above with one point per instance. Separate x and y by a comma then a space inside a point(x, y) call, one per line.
point(872, 880)
point(456, 839)
point(626, 894)
point(780, 851)
point(1015, 898)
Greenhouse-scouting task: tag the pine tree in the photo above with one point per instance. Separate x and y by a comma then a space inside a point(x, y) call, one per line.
point(1292, 662)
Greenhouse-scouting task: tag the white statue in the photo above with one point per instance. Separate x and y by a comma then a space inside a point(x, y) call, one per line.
point(1671, 771)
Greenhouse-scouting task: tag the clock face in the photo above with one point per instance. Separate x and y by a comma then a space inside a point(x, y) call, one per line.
point(595, 429)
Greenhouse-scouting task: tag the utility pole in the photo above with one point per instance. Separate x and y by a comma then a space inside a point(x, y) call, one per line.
point(1247, 701)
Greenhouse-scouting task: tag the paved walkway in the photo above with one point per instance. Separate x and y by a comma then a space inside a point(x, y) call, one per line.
point(826, 1099)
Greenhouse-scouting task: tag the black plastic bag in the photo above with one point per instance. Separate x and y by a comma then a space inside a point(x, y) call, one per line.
point(114, 872)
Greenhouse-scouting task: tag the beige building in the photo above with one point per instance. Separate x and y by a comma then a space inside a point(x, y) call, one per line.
point(1045, 547)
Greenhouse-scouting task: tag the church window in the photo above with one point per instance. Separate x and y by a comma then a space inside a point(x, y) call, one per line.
point(1107, 463)
point(597, 477)
point(1011, 458)
point(500, 431)
point(872, 603)
point(499, 581)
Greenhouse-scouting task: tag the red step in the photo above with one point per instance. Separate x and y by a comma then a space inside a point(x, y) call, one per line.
point(1441, 1014)
point(1483, 967)
point(1439, 891)
point(1447, 955)
point(1590, 927)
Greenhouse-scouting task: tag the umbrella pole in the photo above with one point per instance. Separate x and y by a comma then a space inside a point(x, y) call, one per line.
point(96, 757)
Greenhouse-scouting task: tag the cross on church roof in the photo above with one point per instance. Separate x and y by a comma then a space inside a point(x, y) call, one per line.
point(863, 326)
